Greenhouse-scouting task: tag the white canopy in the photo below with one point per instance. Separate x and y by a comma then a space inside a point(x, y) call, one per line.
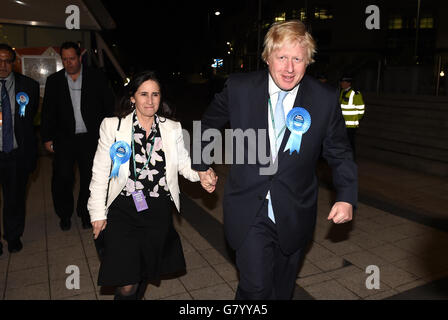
point(51, 13)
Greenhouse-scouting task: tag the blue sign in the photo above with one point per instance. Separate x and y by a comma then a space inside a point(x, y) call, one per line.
point(217, 63)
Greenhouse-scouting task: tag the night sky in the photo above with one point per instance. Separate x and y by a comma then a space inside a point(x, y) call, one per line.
point(166, 36)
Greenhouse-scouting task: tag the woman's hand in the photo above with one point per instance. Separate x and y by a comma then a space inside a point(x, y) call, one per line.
point(208, 180)
point(98, 226)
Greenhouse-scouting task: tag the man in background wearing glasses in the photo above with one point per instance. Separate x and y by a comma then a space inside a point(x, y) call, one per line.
point(18, 145)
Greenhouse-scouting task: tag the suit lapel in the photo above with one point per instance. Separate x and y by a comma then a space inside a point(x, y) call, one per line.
point(165, 136)
point(125, 132)
point(17, 89)
point(66, 93)
point(18, 129)
point(259, 107)
point(303, 99)
point(84, 87)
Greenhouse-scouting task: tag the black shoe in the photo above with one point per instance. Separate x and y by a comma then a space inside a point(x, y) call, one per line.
point(65, 224)
point(119, 296)
point(15, 246)
point(130, 297)
point(86, 223)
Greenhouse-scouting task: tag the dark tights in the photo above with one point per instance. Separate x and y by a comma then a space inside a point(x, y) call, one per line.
point(128, 292)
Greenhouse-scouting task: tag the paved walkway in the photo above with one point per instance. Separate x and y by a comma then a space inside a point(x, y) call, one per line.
point(398, 227)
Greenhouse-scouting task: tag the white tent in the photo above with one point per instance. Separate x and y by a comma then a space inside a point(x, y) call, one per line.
point(51, 13)
point(43, 23)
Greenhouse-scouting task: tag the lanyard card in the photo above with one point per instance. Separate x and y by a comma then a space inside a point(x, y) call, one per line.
point(139, 200)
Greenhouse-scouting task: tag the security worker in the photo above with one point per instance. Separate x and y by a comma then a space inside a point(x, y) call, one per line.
point(352, 106)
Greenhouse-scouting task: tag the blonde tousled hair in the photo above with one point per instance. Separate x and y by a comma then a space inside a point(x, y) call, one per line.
point(288, 31)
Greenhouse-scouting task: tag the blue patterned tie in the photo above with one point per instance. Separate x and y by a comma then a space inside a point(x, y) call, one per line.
point(8, 138)
point(279, 119)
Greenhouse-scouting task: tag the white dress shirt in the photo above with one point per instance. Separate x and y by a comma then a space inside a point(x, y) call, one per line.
point(75, 95)
point(288, 104)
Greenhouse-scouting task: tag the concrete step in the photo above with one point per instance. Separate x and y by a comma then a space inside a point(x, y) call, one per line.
point(418, 151)
point(429, 136)
point(408, 131)
point(410, 137)
point(391, 110)
point(407, 101)
point(428, 133)
point(405, 120)
point(377, 153)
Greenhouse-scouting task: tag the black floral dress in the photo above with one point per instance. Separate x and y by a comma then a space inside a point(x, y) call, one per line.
point(143, 245)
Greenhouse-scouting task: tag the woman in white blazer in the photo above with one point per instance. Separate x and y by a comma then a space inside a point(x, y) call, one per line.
point(132, 196)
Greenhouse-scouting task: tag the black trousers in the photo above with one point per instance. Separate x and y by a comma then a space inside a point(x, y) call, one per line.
point(266, 273)
point(13, 179)
point(351, 133)
point(81, 150)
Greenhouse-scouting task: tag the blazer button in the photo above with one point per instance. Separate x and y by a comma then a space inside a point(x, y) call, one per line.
point(271, 178)
point(260, 197)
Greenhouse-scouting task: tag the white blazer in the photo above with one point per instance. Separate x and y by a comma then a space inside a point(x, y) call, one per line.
point(176, 157)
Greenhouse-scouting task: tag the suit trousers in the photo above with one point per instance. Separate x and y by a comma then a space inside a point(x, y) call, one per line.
point(81, 151)
point(13, 179)
point(266, 273)
point(351, 133)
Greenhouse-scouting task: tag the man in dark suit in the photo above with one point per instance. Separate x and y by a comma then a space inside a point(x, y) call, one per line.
point(18, 145)
point(76, 100)
point(270, 218)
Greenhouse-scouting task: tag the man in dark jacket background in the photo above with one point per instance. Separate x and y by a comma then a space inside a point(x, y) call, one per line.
point(76, 100)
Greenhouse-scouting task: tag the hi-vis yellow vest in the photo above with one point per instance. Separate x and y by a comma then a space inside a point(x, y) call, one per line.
point(352, 106)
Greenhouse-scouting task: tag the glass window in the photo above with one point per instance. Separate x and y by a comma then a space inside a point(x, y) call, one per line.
point(322, 14)
point(281, 17)
point(299, 14)
point(395, 22)
point(426, 22)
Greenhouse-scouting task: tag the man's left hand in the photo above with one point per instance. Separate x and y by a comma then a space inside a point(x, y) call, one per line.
point(341, 212)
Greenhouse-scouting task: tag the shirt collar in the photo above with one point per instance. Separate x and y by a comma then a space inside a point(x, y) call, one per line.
point(9, 78)
point(154, 123)
point(70, 78)
point(274, 89)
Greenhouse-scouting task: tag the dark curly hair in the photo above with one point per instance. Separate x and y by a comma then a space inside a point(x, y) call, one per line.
point(124, 105)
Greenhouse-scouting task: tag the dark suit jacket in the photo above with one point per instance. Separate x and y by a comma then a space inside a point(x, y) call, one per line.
point(294, 187)
point(58, 119)
point(24, 126)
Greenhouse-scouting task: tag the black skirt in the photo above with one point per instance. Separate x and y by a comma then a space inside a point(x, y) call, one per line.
point(139, 246)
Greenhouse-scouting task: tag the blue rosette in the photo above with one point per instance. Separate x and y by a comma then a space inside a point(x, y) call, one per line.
point(22, 99)
point(298, 121)
point(120, 152)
